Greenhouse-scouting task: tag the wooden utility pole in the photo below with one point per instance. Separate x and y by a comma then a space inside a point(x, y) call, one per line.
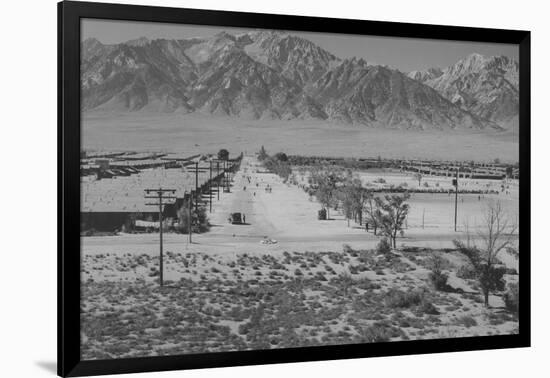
point(190, 219)
point(218, 178)
point(210, 186)
point(160, 196)
point(196, 187)
point(456, 195)
point(224, 176)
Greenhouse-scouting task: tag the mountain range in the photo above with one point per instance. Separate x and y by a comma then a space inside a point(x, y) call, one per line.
point(276, 75)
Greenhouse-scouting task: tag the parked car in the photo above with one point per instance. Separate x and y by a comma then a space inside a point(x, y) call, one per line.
point(235, 218)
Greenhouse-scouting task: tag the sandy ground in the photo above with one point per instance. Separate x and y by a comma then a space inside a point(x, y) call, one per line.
point(196, 133)
point(219, 303)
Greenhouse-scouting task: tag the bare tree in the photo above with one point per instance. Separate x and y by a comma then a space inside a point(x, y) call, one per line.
point(360, 196)
point(496, 236)
point(418, 177)
point(346, 283)
point(347, 205)
point(327, 183)
point(353, 197)
point(394, 210)
point(372, 211)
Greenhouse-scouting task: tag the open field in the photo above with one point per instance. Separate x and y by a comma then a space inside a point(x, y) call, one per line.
point(433, 213)
point(196, 133)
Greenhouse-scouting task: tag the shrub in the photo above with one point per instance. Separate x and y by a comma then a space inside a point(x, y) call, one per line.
point(345, 282)
point(199, 219)
point(223, 154)
point(321, 276)
point(466, 272)
point(428, 308)
point(403, 299)
point(467, 321)
point(439, 280)
point(154, 273)
point(511, 271)
point(281, 156)
point(347, 248)
point(376, 333)
point(511, 298)
point(383, 247)
point(437, 277)
point(262, 155)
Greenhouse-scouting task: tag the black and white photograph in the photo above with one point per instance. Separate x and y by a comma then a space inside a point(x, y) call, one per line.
point(251, 189)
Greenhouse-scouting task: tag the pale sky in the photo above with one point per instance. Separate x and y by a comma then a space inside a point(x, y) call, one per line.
point(405, 54)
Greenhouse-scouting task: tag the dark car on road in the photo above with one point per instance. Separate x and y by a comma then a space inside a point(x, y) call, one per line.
point(235, 218)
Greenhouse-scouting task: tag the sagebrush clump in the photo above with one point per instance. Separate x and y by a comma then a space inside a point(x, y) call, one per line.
point(438, 278)
point(511, 298)
point(383, 247)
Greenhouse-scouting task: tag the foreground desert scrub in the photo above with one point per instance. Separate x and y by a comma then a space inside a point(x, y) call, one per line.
point(263, 301)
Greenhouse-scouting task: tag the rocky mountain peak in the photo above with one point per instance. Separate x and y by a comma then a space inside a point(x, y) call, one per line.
point(485, 86)
point(425, 75)
point(142, 41)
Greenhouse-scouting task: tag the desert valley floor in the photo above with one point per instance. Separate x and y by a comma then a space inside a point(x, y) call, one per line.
point(197, 133)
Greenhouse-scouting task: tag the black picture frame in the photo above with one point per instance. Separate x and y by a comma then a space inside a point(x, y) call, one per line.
point(69, 15)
